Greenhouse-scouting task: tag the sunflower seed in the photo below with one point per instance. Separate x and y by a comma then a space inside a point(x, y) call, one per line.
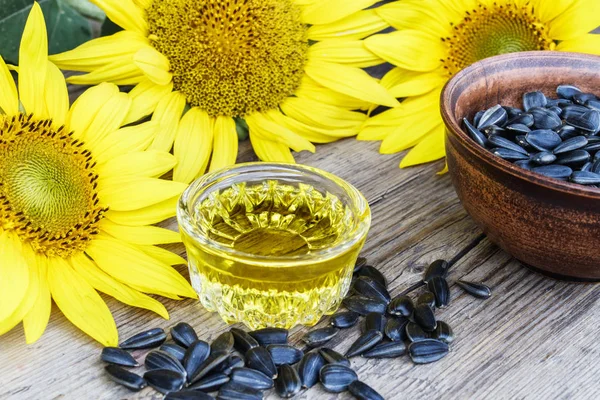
point(555, 109)
point(370, 288)
point(582, 98)
point(233, 391)
point(346, 319)
point(309, 367)
point(362, 391)
point(195, 356)
point(210, 383)
point(183, 334)
point(187, 395)
point(223, 342)
point(439, 287)
point(512, 112)
point(288, 383)
point(395, 329)
point(251, 378)
point(573, 110)
point(475, 289)
point(543, 139)
point(585, 178)
point(586, 167)
point(319, 337)
point(499, 141)
point(477, 117)
point(117, 356)
point(534, 99)
point(363, 305)
point(574, 158)
point(374, 321)
point(401, 305)
point(567, 131)
point(494, 130)
point(589, 121)
point(545, 119)
point(386, 350)
point(242, 340)
point(145, 340)
point(284, 354)
point(543, 158)
point(364, 342)
point(158, 359)
point(436, 268)
point(493, 116)
point(525, 164)
point(209, 365)
point(427, 351)
point(372, 272)
point(593, 104)
point(554, 171)
point(518, 129)
point(524, 119)
point(596, 166)
point(125, 378)
point(360, 262)
point(175, 350)
point(443, 332)
point(260, 359)
point(164, 380)
point(231, 362)
point(424, 316)
point(427, 298)
point(475, 134)
point(268, 336)
point(333, 357)
point(509, 154)
point(573, 143)
point(415, 333)
point(336, 378)
point(567, 91)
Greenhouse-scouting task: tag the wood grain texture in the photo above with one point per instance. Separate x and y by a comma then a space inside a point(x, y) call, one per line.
point(535, 338)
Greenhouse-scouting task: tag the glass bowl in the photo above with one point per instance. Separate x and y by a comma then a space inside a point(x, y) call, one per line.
point(272, 244)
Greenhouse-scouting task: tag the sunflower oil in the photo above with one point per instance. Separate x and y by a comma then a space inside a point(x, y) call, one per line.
point(266, 262)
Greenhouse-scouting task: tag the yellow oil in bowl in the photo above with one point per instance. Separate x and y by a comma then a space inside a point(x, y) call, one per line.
point(272, 244)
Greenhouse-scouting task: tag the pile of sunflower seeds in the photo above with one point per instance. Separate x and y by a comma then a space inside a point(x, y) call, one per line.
point(243, 365)
point(557, 138)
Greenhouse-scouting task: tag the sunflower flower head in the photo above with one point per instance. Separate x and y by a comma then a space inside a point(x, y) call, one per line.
point(291, 70)
point(434, 39)
point(78, 194)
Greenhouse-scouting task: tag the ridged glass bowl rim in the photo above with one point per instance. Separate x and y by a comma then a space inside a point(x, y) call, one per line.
point(234, 174)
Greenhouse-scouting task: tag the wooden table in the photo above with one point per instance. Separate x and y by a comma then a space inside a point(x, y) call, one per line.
point(535, 338)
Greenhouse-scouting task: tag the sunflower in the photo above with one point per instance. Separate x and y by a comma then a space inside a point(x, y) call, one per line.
point(77, 195)
point(290, 71)
point(437, 38)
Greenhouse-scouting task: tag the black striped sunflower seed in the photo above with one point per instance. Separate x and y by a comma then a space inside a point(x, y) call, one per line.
point(231, 362)
point(175, 350)
point(345, 319)
point(242, 340)
point(223, 342)
point(164, 380)
point(117, 356)
point(210, 383)
point(436, 268)
point(251, 378)
point(427, 351)
point(360, 262)
point(195, 356)
point(158, 359)
point(288, 383)
point(207, 367)
point(336, 378)
point(364, 342)
point(187, 395)
point(125, 378)
point(439, 287)
point(372, 272)
point(401, 305)
point(415, 333)
point(319, 337)
point(426, 298)
point(425, 317)
point(386, 350)
point(183, 334)
point(443, 332)
point(369, 287)
point(309, 367)
point(478, 290)
point(284, 354)
point(374, 321)
point(395, 329)
point(233, 391)
point(269, 336)
point(145, 340)
point(362, 391)
point(333, 357)
point(363, 305)
point(260, 359)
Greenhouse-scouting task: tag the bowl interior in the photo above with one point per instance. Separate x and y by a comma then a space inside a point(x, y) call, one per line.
point(503, 80)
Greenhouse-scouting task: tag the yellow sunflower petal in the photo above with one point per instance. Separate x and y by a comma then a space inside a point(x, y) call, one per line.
point(124, 141)
point(154, 65)
point(107, 120)
point(312, 112)
point(145, 97)
point(311, 133)
point(120, 72)
point(86, 107)
point(126, 193)
point(375, 132)
point(193, 145)
point(548, 10)
point(9, 98)
point(352, 53)
point(404, 83)
point(132, 266)
point(99, 52)
point(167, 115)
point(328, 11)
point(225, 143)
point(589, 43)
point(80, 303)
point(33, 63)
point(56, 95)
point(356, 26)
point(351, 81)
point(14, 275)
point(124, 13)
point(163, 255)
point(422, 16)
point(145, 216)
point(106, 284)
point(431, 148)
point(30, 295)
point(268, 129)
point(143, 4)
point(408, 49)
point(149, 163)
point(408, 133)
point(311, 90)
point(268, 150)
point(149, 235)
point(579, 19)
point(36, 320)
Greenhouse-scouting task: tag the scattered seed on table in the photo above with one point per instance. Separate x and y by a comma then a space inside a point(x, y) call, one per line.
point(175, 350)
point(425, 317)
point(401, 305)
point(426, 298)
point(439, 287)
point(443, 332)
point(372, 272)
point(284, 354)
point(333, 357)
point(164, 380)
point(183, 334)
point(362, 391)
point(415, 333)
point(260, 359)
point(125, 378)
point(386, 350)
point(232, 391)
point(345, 319)
point(395, 328)
point(251, 378)
point(478, 290)
point(269, 336)
point(436, 268)
point(117, 356)
point(145, 340)
point(360, 262)
point(336, 378)
point(427, 351)
point(319, 337)
point(309, 367)
point(242, 340)
point(158, 359)
point(223, 342)
point(364, 305)
point(288, 382)
point(207, 366)
point(369, 287)
point(188, 395)
point(374, 321)
point(231, 362)
point(195, 356)
point(210, 383)
point(364, 342)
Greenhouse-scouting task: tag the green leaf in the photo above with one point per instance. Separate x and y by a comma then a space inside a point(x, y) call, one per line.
point(66, 28)
point(242, 128)
point(109, 28)
point(87, 9)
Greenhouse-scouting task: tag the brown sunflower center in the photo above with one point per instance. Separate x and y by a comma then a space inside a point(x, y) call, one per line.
point(231, 57)
point(47, 186)
point(494, 30)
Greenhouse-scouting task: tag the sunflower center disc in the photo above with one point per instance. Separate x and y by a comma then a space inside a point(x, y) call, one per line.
point(494, 30)
point(47, 186)
point(231, 57)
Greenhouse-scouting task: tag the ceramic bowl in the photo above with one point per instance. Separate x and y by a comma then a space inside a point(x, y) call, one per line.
point(549, 225)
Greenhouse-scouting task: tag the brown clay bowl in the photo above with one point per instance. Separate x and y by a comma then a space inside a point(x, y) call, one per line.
point(550, 225)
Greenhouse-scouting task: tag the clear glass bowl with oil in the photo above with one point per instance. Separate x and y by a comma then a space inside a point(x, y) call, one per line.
point(272, 244)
